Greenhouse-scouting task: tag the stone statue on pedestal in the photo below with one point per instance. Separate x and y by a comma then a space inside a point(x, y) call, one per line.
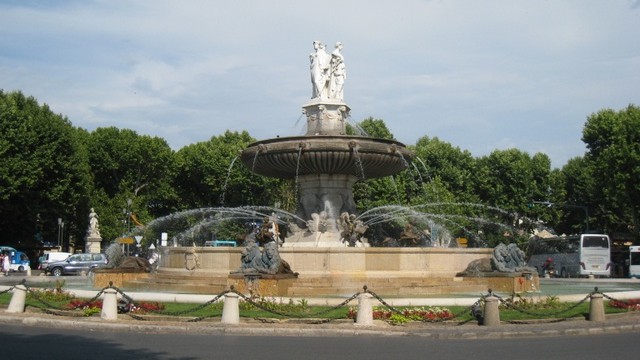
point(94, 228)
point(93, 239)
point(328, 72)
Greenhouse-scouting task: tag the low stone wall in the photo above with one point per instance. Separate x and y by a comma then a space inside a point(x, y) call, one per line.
point(395, 272)
point(506, 282)
point(439, 262)
point(102, 277)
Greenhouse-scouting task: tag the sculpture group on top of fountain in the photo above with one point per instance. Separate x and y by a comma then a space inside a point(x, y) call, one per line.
point(328, 72)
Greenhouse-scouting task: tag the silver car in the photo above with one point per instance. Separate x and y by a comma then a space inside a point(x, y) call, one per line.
point(76, 264)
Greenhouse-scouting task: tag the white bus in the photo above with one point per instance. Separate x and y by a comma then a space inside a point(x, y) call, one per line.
point(634, 262)
point(571, 256)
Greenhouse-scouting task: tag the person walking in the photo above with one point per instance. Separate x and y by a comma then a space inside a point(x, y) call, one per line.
point(6, 263)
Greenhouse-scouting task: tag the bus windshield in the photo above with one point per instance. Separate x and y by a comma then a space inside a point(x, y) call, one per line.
point(590, 241)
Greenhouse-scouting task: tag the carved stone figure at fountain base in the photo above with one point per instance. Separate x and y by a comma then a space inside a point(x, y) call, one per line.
point(263, 271)
point(256, 262)
point(505, 270)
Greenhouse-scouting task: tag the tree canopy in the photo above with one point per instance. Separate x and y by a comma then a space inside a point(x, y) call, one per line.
point(613, 162)
point(44, 173)
point(51, 170)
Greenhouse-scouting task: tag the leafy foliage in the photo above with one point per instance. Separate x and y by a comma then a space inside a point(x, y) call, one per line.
point(50, 169)
point(44, 172)
point(613, 161)
point(133, 175)
point(209, 174)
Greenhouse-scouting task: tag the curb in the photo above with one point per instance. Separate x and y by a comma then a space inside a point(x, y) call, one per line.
point(628, 322)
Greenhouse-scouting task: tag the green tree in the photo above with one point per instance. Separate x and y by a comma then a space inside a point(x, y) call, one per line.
point(573, 188)
point(455, 169)
point(511, 180)
point(371, 193)
point(132, 175)
point(613, 153)
point(44, 173)
point(210, 174)
point(376, 128)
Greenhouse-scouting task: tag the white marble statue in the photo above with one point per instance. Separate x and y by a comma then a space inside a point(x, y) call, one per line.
point(94, 228)
point(338, 73)
point(319, 65)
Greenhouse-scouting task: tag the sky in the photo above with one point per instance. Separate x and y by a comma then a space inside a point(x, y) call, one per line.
point(480, 75)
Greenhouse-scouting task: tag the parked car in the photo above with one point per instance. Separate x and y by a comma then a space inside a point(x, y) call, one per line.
point(75, 264)
point(52, 257)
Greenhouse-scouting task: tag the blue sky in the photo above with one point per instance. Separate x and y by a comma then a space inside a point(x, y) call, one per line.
point(481, 75)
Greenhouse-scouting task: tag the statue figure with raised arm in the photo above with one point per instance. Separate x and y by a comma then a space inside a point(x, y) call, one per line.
point(338, 73)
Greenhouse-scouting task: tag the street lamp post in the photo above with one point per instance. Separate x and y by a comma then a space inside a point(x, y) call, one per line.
point(60, 232)
point(127, 221)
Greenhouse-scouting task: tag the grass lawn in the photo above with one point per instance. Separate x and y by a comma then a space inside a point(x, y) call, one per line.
point(516, 309)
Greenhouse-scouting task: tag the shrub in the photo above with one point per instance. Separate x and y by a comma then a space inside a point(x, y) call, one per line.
point(406, 314)
point(50, 295)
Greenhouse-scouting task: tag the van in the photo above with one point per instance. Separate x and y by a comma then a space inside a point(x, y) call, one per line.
point(18, 261)
point(52, 257)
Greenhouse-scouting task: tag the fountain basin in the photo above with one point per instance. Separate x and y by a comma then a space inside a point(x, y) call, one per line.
point(329, 272)
point(357, 156)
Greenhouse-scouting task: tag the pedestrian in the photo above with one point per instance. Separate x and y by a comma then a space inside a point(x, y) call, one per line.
point(6, 263)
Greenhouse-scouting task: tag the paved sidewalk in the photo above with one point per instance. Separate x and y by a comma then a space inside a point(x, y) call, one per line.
point(618, 323)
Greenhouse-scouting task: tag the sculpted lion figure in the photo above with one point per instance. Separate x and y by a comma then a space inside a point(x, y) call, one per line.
point(509, 258)
point(267, 261)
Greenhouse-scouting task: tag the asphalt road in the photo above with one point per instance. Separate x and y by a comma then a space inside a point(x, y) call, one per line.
point(26, 342)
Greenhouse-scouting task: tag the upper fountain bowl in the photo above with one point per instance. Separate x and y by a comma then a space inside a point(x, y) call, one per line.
point(362, 157)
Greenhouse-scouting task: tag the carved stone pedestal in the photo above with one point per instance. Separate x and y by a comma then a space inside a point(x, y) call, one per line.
point(93, 244)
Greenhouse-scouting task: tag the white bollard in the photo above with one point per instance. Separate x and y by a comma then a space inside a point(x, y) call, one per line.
point(596, 308)
point(365, 310)
point(230, 311)
point(18, 299)
point(491, 311)
point(29, 271)
point(110, 305)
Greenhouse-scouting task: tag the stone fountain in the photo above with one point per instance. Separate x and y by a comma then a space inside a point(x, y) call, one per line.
point(326, 162)
point(326, 250)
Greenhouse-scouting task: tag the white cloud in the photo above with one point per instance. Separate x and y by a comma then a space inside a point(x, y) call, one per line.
point(476, 74)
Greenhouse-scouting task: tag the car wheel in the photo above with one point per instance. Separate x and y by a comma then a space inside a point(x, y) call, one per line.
point(20, 268)
point(56, 271)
